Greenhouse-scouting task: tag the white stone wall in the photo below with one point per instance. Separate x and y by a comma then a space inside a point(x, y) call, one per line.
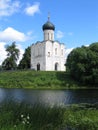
point(38, 56)
point(57, 55)
point(47, 54)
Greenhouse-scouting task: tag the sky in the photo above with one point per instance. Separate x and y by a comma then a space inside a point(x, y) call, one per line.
point(76, 22)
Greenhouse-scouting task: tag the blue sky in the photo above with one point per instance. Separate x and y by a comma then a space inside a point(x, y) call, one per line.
point(76, 22)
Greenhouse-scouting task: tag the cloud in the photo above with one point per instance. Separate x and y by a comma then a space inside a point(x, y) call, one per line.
point(29, 33)
point(7, 7)
point(3, 53)
point(59, 34)
point(10, 35)
point(67, 51)
point(21, 52)
point(32, 9)
point(87, 45)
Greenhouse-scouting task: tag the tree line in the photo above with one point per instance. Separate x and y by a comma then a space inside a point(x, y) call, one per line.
point(82, 64)
point(10, 63)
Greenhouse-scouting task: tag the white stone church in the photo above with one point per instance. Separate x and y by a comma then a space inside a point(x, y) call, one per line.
point(48, 55)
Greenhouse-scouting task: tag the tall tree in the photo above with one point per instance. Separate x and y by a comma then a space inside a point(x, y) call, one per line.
point(82, 64)
point(25, 61)
point(10, 63)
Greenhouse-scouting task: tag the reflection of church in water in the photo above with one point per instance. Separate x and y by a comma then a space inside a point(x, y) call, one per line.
point(48, 55)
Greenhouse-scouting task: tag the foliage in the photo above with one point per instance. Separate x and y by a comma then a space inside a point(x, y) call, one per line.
point(25, 61)
point(21, 116)
point(0, 67)
point(82, 64)
point(12, 56)
point(36, 80)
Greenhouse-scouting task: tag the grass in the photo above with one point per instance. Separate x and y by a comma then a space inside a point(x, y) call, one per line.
point(21, 116)
point(36, 80)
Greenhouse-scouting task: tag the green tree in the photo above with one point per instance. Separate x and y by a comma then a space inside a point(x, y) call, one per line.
point(82, 64)
point(10, 63)
point(25, 61)
point(0, 67)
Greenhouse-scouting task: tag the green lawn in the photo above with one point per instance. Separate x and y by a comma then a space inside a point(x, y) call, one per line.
point(36, 80)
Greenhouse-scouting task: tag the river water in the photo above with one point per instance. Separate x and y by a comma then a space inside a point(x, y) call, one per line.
point(50, 97)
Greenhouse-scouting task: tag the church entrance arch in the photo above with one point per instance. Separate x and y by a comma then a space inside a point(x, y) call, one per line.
point(38, 67)
point(56, 66)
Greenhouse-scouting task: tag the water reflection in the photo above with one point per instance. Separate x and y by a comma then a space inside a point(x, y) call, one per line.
point(52, 97)
point(49, 97)
point(2, 95)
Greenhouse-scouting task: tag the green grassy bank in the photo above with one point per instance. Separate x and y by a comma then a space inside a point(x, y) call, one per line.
point(36, 80)
point(19, 116)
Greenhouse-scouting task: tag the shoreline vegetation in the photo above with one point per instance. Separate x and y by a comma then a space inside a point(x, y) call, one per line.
point(38, 80)
point(21, 116)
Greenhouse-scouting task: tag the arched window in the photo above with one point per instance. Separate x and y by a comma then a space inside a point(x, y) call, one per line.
point(38, 67)
point(48, 54)
point(62, 52)
point(56, 66)
point(51, 36)
point(55, 51)
point(48, 36)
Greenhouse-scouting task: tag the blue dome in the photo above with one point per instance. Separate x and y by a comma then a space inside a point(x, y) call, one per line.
point(48, 25)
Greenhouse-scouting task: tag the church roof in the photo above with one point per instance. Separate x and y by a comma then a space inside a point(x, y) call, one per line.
point(48, 25)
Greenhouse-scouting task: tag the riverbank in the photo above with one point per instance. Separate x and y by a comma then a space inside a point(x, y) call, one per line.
point(37, 80)
point(21, 116)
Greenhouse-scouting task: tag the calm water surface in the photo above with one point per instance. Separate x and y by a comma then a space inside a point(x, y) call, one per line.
point(49, 97)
